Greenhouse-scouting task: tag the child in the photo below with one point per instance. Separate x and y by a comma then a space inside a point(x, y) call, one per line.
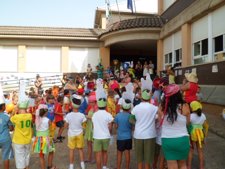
point(74, 121)
point(22, 135)
point(59, 118)
point(198, 132)
point(43, 144)
point(89, 128)
point(124, 138)
point(51, 114)
point(66, 102)
point(111, 103)
point(102, 125)
point(5, 139)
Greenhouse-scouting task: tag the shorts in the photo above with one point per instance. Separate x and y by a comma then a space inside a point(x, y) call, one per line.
point(7, 151)
point(60, 124)
point(176, 148)
point(101, 145)
point(145, 150)
point(76, 141)
point(123, 145)
point(22, 155)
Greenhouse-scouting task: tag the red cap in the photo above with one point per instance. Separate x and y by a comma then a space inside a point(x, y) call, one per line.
point(156, 82)
point(80, 91)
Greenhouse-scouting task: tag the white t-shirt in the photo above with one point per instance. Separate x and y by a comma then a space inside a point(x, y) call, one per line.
point(195, 119)
point(43, 125)
point(145, 115)
point(101, 120)
point(177, 129)
point(75, 121)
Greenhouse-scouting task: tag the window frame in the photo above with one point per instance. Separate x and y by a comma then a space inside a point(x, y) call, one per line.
point(200, 56)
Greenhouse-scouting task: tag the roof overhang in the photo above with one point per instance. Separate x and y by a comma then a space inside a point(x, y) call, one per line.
point(46, 37)
point(130, 34)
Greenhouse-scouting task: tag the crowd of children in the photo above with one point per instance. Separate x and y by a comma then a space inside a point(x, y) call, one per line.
point(156, 112)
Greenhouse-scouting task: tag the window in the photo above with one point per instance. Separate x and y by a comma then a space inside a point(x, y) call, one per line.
point(201, 51)
point(168, 59)
point(204, 49)
point(218, 43)
point(178, 57)
point(197, 48)
point(219, 48)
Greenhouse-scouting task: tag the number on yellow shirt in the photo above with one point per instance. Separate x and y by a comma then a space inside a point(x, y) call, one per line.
point(27, 124)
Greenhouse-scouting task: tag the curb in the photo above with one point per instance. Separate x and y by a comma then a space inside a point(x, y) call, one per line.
point(218, 133)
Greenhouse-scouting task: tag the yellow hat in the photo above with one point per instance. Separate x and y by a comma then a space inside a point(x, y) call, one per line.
point(195, 105)
point(9, 107)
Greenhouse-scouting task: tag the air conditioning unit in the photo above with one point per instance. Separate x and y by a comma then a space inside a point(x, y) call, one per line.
point(220, 56)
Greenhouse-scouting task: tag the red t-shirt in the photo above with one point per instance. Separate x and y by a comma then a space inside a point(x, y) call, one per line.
point(190, 95)
point(58, 109)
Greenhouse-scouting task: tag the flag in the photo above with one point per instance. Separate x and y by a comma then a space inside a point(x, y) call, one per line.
point(130, 5)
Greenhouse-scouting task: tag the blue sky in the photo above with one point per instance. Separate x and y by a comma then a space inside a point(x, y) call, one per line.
point(55, 13)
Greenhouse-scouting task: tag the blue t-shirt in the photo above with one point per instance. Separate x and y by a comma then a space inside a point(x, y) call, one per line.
point(83, 106)
point(4, 127)
point(51, 112)
point(124, 126)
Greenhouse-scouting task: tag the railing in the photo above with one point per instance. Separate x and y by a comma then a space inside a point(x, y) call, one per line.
point(13, 84)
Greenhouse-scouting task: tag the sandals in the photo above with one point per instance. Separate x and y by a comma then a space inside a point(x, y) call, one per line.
point(50, 167)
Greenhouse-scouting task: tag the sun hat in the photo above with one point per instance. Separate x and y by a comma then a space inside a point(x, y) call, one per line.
point(128, 96)
point(146, 94)
point(191, 77)
point(9, 107)
point(195, 105)
point(171, 90)
point(42, 106)
point(23, 102)
point(92, 98)
point(126, 104)
point(76, 100)
point(101, 103)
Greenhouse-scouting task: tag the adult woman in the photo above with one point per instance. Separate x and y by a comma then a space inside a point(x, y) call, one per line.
point(175, 114)
point(190, 87)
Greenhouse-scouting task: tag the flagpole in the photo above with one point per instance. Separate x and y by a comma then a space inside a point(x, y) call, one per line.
point(135, 10)
point(118, 9)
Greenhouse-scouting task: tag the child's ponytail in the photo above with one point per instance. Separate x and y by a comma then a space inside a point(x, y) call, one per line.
point(199, 112)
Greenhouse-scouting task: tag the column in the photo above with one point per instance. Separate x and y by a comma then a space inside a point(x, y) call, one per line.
point(65, 59)
point(186, 45)
point(105, 56)
point(160, 7)
point(159, 56)
point(21, 59)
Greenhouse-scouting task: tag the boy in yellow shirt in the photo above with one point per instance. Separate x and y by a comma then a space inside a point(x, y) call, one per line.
point(22, 134)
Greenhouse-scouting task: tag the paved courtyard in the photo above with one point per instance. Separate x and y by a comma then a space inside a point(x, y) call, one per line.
point(214, 155)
